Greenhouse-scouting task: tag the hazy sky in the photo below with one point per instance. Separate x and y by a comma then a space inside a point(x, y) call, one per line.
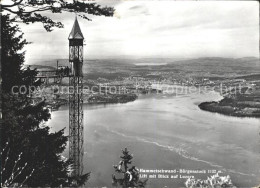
point(178, 29)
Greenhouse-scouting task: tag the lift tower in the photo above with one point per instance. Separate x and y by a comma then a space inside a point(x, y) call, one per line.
point(76, 99)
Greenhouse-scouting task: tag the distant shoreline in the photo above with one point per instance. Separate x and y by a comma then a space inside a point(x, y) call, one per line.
point(230, 109)
point(57, 103)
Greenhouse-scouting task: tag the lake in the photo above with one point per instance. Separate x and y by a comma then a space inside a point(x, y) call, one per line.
point(170, 132)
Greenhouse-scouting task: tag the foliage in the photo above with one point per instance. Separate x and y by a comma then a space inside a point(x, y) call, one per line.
point(211, 182)
point(23, 122)
point(17, 169)
point(30, 11)
point(130, 176)
point(78, 181)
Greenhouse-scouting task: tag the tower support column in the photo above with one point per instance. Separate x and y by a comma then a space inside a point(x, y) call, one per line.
point(76, 99)
point(76, 137)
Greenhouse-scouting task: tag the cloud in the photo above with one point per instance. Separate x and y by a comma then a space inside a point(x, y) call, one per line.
point(135, 7)
point(158, 28)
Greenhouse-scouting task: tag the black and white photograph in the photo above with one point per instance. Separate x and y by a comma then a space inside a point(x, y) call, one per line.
point(130, 93)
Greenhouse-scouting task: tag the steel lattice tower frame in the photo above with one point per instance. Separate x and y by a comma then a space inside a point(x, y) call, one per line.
point(76, 137)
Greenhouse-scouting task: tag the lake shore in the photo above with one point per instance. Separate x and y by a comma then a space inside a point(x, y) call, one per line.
point(157, 130)
point(242, 103)
point(55, 104)
point(230, 110)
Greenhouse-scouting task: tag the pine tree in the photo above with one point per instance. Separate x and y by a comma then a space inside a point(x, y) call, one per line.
point(23, 121)
point(22, 125)
point(129, 176)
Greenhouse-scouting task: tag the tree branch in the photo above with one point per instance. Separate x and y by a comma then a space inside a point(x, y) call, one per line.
point(9, 10)
point(28, 12)
point(17, 3)
point(39, 10)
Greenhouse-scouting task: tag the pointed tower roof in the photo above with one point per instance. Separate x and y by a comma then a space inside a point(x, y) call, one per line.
point(76, 32)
